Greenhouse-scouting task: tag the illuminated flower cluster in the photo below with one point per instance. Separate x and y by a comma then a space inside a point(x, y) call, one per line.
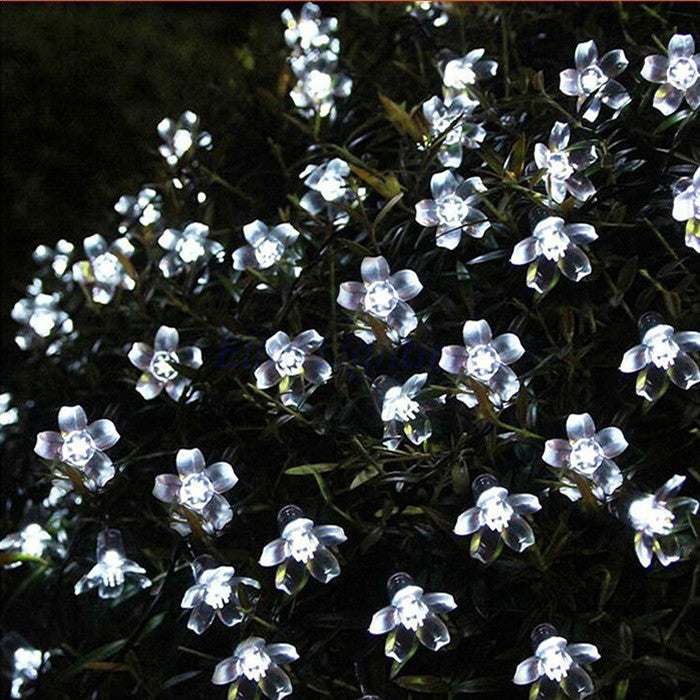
point(31, 541)
point(302, 549)
point(310, 30)
point(655, 518)
point(58, 258)
point(26, 662)
point(214, 594)
point(686, 207)
point(588, 453)
point(266, 246)
point(593, 80)
point(553, 248)
point(460, 74)
point(44, 323)
point(403, 409)
point(182, 137)
point(113, 571)
point(9, 414)
point(497, 518)
point(159, 365)
point(292, 364)
point(384, 297)
point(330, 193)
point(412, 617)
point(188, 249)
point(662, 355)
point(195, 493)
point(105, 271)
point(563, 165)
point(145, 209)
point(452, 209)
point(484, 359)
point(556, 665)
point(255, 666)
point(80, 446)
point(451, 124)
point(434, 13)
point(679, 75)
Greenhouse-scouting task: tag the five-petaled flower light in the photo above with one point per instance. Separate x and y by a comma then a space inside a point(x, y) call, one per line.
point(686, 207)
point(42, 319)
point(25, 664)
point(318, 84)
point(292, 362)
point(556, 665)
point(679, 75)
point(266, 246)
point(403, 410)
point(80, 446)
point(497, 517)
point(461, 73)
point(452, 209)
point(181, 137)
point(588, 453)
point(214, 594)
point(563, 165)
point(144, 209)
point(57, 257)
point(302, 549)
point(383, 296)
point(451, 123)
point(655, 517)
point(310, 31)
point(485, 359)
point(158, 365)
point(554, 248)
point(195, 491)
point(32, 541)
point(189, 248)
point(592, 81)
point(255, 666)
point(412, 617)
point(104, 271)
point(662, 354)
point(113, 571)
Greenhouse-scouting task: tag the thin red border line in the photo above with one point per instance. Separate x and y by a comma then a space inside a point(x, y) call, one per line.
point(346, 2)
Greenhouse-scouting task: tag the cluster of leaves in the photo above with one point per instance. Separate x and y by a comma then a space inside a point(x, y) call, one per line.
point(398, 508)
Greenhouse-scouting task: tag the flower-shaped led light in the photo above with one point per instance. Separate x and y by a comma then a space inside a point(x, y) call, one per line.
point(80, 446)
point(655, 517)
point(292, 362)
point(255, 666)
point(686, 207)
point(383, 295)
point(452, 122)
point(58, 258)
point(32, 541)
point(662, 354)
point(592, 81)
point(563, 165)
point(412, 617)
point(403, 410)
point(195, 491)
point(182, 137)
point(25, 664)
point(144, 209)
point(214, 594)
point(113, 571)
point(485, 359)
point(311, 30)
point(452, 209)
point(556, 665)
point(588, 453)
point(266, 245)
point(461, 73)
point(554, 248)
point(157, 364)
point(43, 322)
point(497, 517)
point(318, 83)
point(9, 414)
point(679, 75)
point(189, 248)
point(434, 13)
point(104, 271)
point(302, 549)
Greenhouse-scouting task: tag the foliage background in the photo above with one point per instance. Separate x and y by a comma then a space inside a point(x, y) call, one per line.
point(84, 86)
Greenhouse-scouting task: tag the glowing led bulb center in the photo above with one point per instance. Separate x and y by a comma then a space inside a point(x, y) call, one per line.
point(196, 491)
point(161, 367)
point(78, 448)
point(182, 141)
point(555, 661)
point(682, 73)
point(217, 594)
point(452, 210)
point(255, 664)
point(268, 252)
point(559, 167)
point(495, 508)
point(290, 361)
point(590, 79)
point(412, 610)
point(663, 352)
point(190, 248)
point(482, 362)
point(586, 455)
point(650, 516)
point(107, 268)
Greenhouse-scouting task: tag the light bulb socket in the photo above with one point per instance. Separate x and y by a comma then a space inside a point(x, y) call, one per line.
point(542, 632)
point(482, 483)
point(398, 581)
point(287, 514)
point(648, 320)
